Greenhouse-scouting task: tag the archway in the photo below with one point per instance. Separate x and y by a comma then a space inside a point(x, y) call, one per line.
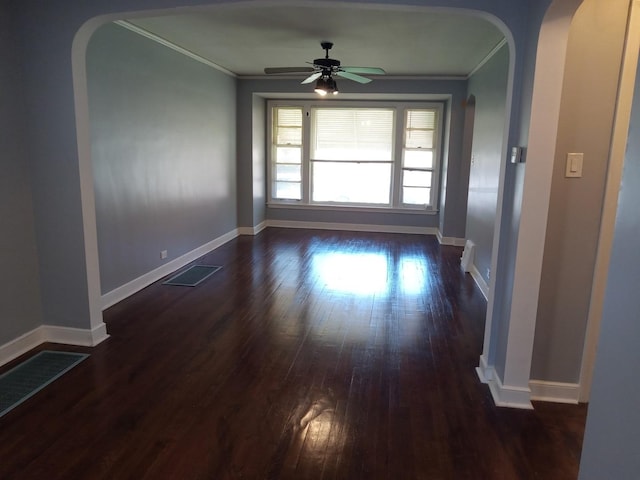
point(84, 146)
point(520, 236)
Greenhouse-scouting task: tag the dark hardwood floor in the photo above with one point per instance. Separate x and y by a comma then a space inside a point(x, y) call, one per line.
point(310, 355)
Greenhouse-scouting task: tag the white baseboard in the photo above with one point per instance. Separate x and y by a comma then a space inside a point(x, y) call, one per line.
point(503, 396)
point(554, 391)
point(252, 230)
point(21, 345)
point(453, 241)
point(482, 285)
point(484, 372)
point(118, 294)
point(75, 336)
point(353, 227)
point(53, 334)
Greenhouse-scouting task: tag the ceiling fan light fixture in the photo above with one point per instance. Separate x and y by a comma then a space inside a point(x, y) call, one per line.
point(334, 86)
point(322, 86)
point(326, 85)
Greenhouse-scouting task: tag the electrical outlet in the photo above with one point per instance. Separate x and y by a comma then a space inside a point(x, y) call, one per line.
point(163, 254)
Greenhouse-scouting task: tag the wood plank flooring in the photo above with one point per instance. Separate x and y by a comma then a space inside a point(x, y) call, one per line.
point(309, 355)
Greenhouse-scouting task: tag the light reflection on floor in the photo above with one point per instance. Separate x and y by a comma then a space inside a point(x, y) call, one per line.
point(321, 431)
point(412, 272)
point(355, 273)
point(369, 273)
point(358, 296)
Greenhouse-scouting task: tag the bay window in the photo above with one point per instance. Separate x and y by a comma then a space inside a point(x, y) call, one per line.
point(358, 155)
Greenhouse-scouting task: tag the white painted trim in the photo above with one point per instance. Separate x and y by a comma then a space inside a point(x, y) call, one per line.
point(453, 241)
point(610, 205)
point(504, 396)
point(353, 227)
point(252, 230)
point(290, 205)
point(128, 289)
point(360, 97)
point(169, 44)
point(75, 336)
point(488, 57)
point(49, 333)
point(554, 391)
point(85, 170)
point(485, 374)
point(510, 396)
point(482, 285)
point(246, 231)
point(21, 345)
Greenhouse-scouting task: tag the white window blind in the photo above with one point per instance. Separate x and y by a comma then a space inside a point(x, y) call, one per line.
point(352, 134)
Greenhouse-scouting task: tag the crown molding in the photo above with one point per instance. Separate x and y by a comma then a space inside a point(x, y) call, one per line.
point(166, 43)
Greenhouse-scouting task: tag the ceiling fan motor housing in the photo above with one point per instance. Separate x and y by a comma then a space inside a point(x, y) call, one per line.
point(323, 70)
point(328, 63)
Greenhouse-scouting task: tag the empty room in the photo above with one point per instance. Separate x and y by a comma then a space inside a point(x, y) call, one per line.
point(333, 239)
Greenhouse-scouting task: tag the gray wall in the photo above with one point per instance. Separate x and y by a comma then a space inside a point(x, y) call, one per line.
point(19, 290)
point(454, 175)
point(594, 52)
point(252, 154)
point(489, 87)
point(610, 448)
point(259, 159)
point(163, 139)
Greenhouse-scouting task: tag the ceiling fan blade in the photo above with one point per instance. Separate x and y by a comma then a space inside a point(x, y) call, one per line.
point(277, 70)
point(365, 70)
point(353, 76)
point(312, 77)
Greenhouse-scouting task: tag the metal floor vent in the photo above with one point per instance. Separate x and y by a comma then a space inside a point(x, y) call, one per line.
point(192, 276)
point(28, 378)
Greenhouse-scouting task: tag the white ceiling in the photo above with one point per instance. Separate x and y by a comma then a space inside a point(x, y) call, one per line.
point(245, 39)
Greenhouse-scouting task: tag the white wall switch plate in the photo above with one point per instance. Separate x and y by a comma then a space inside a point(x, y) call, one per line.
point(574, 165)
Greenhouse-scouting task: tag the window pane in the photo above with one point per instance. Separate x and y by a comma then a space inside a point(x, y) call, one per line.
point(373, 154)
point(287, 191)
point(416, 195)
point(352, 134)
point(291, 117)
point(290, 173)
point(418, 159)
point(419, 139)
point(289, 135)
point(421, 119)
point(416, 178)
point(288, 155)
point(351, 182)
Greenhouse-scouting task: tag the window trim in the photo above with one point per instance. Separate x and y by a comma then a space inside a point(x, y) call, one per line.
point(399, 108)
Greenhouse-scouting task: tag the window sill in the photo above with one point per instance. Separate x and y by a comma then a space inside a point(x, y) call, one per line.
point(348, 208)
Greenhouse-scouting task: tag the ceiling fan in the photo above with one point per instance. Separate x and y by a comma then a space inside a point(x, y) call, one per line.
point(323, 70)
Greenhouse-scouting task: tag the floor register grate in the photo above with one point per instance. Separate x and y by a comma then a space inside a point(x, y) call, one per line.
point(192, 276)
point(28, 378)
